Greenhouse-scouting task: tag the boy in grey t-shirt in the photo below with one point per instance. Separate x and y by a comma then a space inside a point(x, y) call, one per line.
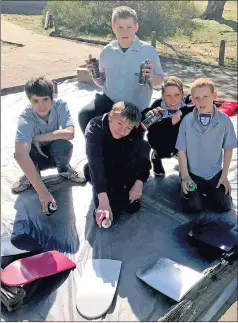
point(205, 143)
point(42, 139)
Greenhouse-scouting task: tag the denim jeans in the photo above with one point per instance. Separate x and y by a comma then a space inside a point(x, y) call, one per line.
point(59, 153)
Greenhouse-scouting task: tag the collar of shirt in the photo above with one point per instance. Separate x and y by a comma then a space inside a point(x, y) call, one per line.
point(165, 108)
point(213, 123)
point(135, 46)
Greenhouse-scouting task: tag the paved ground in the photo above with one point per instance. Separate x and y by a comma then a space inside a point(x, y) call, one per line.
point(56, 58)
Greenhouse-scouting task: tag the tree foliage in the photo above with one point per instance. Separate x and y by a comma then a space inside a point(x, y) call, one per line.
point(94, 17)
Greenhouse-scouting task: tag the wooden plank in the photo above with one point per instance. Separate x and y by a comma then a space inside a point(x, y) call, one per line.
point(217, 277)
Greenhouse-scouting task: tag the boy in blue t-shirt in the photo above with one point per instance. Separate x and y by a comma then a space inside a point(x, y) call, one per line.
point(205, 143)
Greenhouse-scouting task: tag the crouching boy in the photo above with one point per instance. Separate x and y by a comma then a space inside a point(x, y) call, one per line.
point(162, 135)
point(43, 136)
point(203, 136)
point(118, 161)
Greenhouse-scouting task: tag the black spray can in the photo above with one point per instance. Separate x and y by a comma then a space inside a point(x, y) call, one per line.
point(143, 79)
point(95, 71)
point(51, 208)
point(191, 188)
point(151, 119)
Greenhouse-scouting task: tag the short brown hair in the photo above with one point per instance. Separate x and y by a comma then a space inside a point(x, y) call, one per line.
point(39, 86)
point(201, 82)
point(124, 12)
point(129, 111)
point(172, 81)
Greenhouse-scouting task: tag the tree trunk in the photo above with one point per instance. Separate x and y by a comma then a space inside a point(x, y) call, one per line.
point(214, 10)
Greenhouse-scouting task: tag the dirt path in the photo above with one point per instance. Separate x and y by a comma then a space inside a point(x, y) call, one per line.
point(40, 55)
point(57, 58)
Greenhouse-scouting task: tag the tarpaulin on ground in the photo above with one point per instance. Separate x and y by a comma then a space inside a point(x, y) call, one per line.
point(157, 230)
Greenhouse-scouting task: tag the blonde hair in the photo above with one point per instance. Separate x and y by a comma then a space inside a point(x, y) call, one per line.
point(124, 12)
point(127, 110)
point(201, 82)
point(172, 81)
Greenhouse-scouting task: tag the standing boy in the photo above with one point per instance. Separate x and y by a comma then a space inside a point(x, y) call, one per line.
point(203, 136)
point(118, 160)
point(42, 139)
point(119, 64)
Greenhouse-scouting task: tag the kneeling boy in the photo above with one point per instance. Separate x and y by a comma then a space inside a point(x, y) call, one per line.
point(118, 160)
point(203, 135)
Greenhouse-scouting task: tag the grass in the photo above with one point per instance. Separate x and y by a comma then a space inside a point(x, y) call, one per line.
point(202, 45)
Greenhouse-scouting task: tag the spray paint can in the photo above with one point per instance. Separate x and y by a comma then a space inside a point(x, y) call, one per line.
point(51, 208)
point(151, 119)
point(191, 188)
point(106, 223)
point(143, 79)
point(95, 71)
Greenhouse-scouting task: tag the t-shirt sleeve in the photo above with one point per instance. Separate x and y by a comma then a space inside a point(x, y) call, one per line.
point(181, 139)
point(65, 119)
point(230, 140)
point(101, 65)
point(155, 60)
point(25, 129)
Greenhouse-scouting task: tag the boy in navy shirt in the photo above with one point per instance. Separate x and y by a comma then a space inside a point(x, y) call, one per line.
point(162, 135)
point(118, 160)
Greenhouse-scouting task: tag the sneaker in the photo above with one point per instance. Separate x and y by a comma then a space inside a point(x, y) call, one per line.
point(21, 185)
point(157, 165)
point(73, 175)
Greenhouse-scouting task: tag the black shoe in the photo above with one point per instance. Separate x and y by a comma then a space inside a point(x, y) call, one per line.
point(157, 165)
point(133, 207)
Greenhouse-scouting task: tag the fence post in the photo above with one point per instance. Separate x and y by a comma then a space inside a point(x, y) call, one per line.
point(153, 39)
point(50, 23)
point(55, 87)
point(221, 60)
point(47, 19)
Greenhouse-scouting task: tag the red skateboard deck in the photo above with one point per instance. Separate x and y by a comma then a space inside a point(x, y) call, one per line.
point(26, 270)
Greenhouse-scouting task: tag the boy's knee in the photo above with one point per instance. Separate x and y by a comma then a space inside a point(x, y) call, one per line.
point(223, 204)
point(85, 115)
point(193, 205)
point(62, 146)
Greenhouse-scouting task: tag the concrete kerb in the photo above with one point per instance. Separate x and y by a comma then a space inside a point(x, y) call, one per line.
point(20, 88)
point(100, 42)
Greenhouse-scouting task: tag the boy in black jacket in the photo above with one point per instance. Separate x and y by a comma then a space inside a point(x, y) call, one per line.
point(162, 135)
point(118, 160)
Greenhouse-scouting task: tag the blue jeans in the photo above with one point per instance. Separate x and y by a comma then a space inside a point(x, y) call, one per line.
point(59, 153)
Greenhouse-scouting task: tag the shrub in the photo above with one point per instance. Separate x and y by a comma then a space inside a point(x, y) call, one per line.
point(94, 17)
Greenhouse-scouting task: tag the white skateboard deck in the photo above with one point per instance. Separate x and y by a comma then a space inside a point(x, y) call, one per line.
point(169, 277)
point(97, 287)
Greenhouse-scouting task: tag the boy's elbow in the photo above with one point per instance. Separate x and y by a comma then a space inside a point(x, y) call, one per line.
point(70, 133)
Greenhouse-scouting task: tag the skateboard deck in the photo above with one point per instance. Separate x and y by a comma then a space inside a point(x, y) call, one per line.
point(15, 245)
point(214, 234)
point(169, 277)
point(26, 270)
point(97, 287)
